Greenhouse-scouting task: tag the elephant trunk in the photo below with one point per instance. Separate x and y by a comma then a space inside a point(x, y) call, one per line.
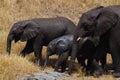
point(46, 61)
point(79, 41)
point(9, 40)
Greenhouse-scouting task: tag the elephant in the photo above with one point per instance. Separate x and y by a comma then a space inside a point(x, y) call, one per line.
point(86, 52)
point(62, 47)
point(102, 24)
point(38, 32)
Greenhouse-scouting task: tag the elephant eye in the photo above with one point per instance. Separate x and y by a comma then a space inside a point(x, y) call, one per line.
point(85, 26)
point(92, 18)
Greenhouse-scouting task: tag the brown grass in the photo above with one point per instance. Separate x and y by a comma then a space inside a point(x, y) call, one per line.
point(13, 66)
point(12, 11)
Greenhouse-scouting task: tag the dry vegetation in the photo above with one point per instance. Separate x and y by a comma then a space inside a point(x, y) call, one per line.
point(12, 67)
point(12, 11)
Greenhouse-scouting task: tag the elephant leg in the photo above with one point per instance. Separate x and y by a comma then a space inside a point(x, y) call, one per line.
point(103, 60)
point(63, 66)
point(115, 53)
point(97, 70)
point(104, 63)
point(57, 64)
point(88, 67)
point(81, 61)
point(73, 57)
point(28, 48)
point(100, 54)
point(62, 58)
point(38, 55)
point(37, 46)
point(93, 68)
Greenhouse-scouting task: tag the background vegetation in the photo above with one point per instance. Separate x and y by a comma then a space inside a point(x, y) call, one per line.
point(12, 11)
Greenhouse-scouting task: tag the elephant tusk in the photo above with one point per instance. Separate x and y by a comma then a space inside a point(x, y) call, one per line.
point(78, 38)
point(86, 38)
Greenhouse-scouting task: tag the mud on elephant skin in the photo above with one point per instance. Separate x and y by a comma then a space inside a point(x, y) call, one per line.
point(99, 22)
point(38, 33)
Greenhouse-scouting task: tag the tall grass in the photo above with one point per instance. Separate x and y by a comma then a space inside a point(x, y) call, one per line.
point(11, 67)
point(12, 11)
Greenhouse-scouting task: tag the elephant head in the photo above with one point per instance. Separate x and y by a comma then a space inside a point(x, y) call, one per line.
point(92, 25)
point(59, 46)
point(96, 22)
point(21, 31)
point(87, 22)
point(56, 46)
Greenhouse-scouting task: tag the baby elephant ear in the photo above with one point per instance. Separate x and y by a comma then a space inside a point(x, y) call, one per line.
point(30, 31)
point(62, 46)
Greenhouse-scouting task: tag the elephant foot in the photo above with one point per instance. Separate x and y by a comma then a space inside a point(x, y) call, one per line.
point(63, 70)
point(69, 72)
point(88, 73)
point(116, 74)
point(107, 72)
point(107, 68)
point(98, 72)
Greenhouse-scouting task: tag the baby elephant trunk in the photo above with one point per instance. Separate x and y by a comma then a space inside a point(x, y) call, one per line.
point(46, 60)
point(9, 40)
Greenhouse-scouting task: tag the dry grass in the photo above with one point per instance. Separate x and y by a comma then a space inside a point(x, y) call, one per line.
point(13, 66)
point(12, 11)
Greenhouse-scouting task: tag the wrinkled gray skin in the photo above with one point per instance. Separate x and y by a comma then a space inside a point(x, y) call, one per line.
point(102, 22)
point(62, 47)
point(38, 33)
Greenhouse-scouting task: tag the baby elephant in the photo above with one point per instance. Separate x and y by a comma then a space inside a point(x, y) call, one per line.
point(62, 47)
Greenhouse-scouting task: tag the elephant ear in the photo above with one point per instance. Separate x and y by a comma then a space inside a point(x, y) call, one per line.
point(98, 7)
point(106, 20)
point(62, 46)
point(30, 31)
point(90, 16)
point(94, 13)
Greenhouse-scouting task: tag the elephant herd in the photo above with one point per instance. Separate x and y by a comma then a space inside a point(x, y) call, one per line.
point(96, 34)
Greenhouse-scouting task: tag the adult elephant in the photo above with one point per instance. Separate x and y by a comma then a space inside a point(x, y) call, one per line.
point(101, 24)
point(38, 33)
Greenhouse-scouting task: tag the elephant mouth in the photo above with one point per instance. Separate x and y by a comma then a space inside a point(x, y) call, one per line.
point(81, 39)
point(94, 40)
